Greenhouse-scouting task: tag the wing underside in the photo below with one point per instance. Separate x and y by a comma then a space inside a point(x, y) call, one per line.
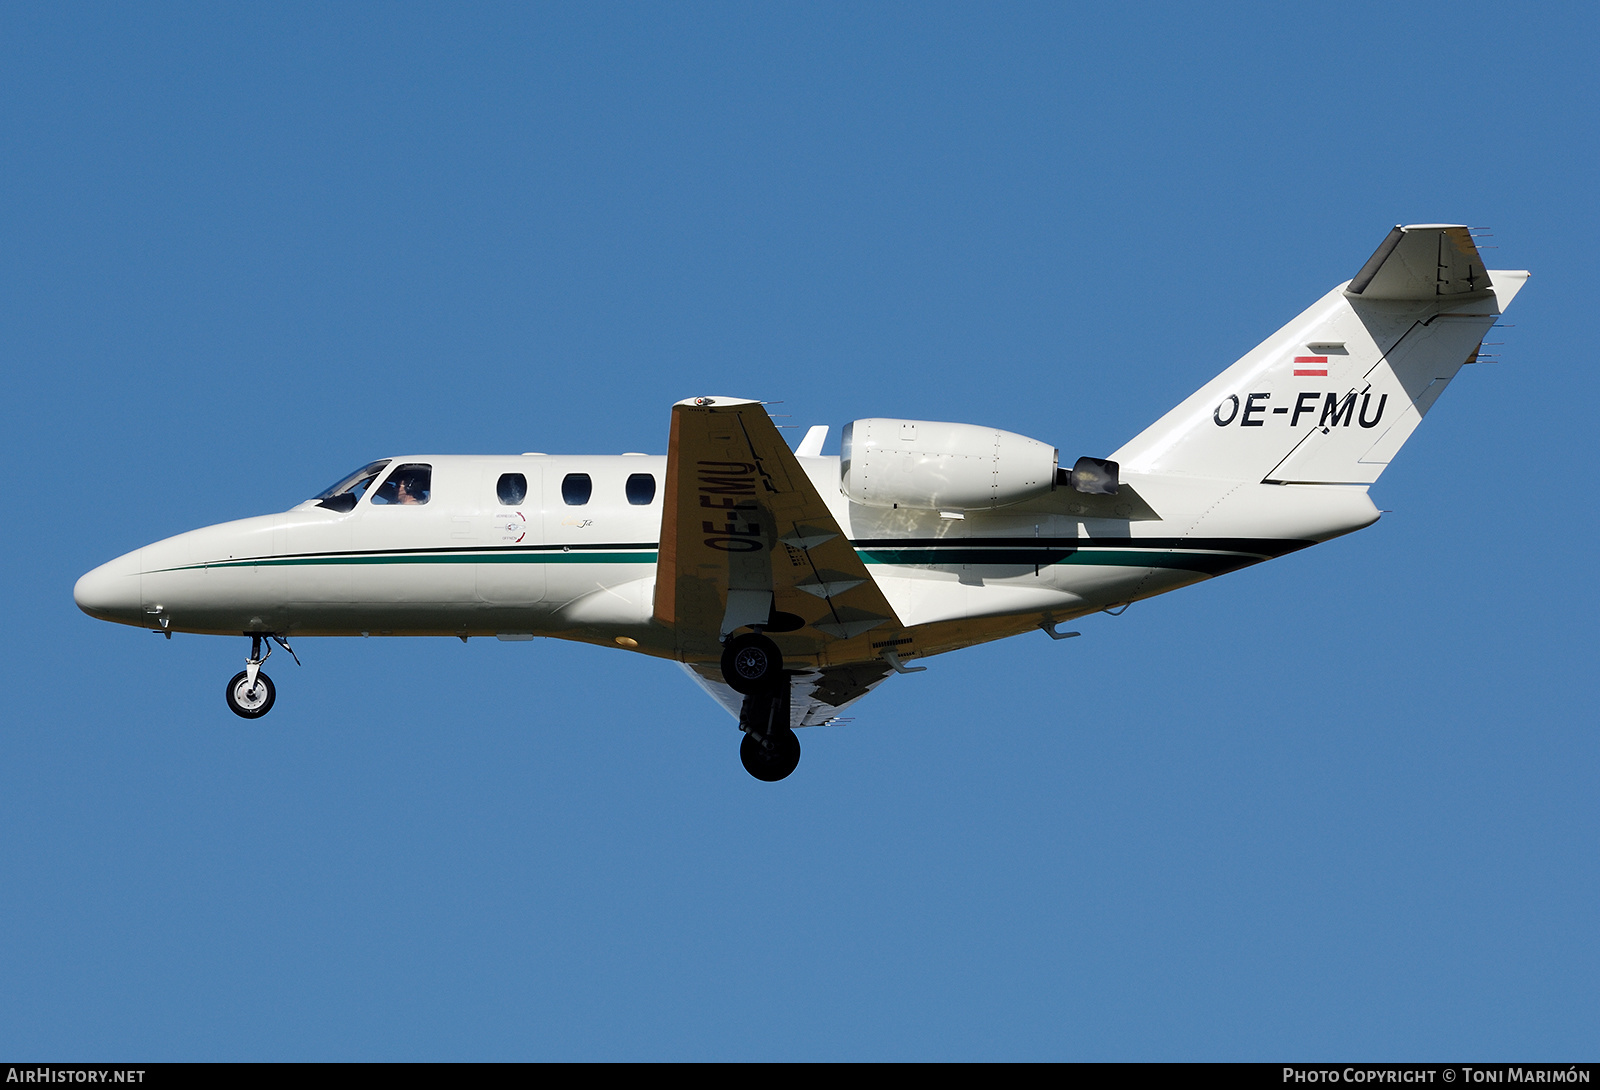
point(816, 697)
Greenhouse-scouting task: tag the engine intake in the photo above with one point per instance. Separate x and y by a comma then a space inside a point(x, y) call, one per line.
point(934, 465)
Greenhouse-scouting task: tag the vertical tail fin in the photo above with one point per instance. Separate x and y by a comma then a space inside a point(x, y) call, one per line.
point(1330, 397)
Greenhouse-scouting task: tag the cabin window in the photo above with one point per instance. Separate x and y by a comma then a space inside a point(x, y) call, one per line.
point(641, 489)
point(342, 497)
point(512, 489)
point(576, 489)
point(410, 485)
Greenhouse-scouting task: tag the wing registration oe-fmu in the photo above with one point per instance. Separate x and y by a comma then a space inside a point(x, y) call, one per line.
point(790, 584)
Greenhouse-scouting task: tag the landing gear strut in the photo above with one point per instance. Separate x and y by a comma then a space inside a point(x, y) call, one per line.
point(250, 693)
point(770, 751)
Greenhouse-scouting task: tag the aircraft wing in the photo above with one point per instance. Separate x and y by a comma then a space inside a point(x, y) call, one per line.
point(747, 540)
point(816, 697)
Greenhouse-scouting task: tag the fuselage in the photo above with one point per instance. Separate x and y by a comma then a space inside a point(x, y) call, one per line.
point(566, 546)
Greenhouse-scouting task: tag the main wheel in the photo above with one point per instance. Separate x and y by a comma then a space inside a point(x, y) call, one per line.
point(752, 664)
point(772, 764)
point(251, 702)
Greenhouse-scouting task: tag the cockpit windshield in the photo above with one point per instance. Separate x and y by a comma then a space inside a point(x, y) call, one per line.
point(343, 496)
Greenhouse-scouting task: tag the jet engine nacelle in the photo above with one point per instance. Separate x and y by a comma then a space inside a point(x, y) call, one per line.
point(928, 464)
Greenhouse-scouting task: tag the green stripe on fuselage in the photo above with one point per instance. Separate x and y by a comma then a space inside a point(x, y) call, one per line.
point(1211, 563)
point(430, 558)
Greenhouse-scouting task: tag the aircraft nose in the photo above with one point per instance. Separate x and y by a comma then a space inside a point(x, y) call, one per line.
point(111, 591)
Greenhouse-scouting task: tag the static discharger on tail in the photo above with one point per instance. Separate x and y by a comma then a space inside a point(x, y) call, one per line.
point(790, 584)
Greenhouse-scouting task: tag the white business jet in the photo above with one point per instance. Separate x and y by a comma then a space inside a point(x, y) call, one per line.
point(790, 584)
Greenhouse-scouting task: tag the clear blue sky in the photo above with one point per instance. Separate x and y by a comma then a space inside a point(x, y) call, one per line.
point(1341, 805)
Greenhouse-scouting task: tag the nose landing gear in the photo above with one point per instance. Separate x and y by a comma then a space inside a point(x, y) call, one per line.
point(250, 693)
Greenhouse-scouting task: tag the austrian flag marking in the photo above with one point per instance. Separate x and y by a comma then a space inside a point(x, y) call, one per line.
point(1310, 372)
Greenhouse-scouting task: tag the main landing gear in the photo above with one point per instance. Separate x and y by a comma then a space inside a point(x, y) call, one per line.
point(250, 693)
point(753, 666)
point(772, 756)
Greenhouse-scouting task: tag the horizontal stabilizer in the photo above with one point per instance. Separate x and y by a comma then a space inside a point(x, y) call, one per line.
point(1422, 261)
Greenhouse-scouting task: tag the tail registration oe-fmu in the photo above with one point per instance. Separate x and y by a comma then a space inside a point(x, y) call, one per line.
point(790, 584)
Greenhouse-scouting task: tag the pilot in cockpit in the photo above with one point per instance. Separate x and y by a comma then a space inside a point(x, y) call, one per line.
point(409, 484)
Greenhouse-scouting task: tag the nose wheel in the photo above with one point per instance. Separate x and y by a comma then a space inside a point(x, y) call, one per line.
point(251, 699)
point(250, 693)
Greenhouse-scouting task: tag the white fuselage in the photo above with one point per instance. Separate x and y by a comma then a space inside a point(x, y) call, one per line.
point(466, 564)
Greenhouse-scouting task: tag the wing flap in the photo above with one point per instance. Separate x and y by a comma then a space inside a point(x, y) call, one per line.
point(816, 697)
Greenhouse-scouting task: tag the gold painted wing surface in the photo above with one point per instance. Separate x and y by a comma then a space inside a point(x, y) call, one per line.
point(747, 540)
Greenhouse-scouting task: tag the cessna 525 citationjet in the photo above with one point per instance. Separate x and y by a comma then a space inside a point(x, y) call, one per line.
point(790, 584)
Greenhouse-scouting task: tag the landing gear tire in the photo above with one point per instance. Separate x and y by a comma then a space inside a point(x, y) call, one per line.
point(752, 665)
point(770, 765)
point(250, 702)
